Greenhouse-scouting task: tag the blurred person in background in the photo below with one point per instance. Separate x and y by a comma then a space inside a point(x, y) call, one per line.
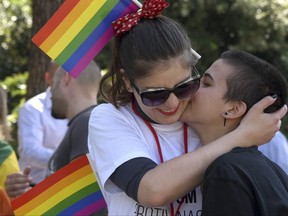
point(8, 159)
point(39, 134)
point(73, 99)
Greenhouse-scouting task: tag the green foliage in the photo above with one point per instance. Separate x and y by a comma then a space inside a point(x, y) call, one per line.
point(16, 89)
point(257, 26)
point(15, 28)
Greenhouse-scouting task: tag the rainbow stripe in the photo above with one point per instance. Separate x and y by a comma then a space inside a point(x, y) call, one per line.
point(72, 190)
point(79, 30)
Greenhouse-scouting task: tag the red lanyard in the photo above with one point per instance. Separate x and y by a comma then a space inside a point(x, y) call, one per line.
point(185, 136)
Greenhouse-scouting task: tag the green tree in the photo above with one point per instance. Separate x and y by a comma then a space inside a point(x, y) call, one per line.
point(16, 86)
point(256, 26)
point(39, 61)
point(15, 27)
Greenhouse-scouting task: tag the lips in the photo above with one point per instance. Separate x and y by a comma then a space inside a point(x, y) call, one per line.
point(169, 112)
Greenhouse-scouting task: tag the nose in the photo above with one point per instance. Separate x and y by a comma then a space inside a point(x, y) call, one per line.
point(172, 102)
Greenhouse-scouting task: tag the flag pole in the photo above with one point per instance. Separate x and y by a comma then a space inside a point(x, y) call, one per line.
point(137, 3)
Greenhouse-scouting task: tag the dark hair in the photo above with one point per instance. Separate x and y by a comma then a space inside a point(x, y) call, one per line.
point(254, 79)
point(140, 50)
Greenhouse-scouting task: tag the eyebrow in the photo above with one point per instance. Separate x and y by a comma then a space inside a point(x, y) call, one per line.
point(208, 75)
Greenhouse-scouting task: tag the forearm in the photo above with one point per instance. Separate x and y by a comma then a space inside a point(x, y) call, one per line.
point(175, 178)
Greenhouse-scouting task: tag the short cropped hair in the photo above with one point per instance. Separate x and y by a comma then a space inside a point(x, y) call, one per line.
point(253, 79)
point(89, 78)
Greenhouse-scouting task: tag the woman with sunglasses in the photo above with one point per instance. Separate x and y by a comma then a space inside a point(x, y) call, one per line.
point(146, 161)
point(243, 181)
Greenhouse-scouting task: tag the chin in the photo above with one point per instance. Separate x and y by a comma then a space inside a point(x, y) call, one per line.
point(167, 121)
point(57, 115)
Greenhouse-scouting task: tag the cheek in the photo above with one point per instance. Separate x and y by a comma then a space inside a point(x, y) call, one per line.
point(183, 105)
point(208, 101)
point(200, 97)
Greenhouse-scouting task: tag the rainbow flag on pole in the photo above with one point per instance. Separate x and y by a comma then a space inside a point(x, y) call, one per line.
point(72, 190)
point(79, 29)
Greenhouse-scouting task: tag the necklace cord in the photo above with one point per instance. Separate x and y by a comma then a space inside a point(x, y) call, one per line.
point(185, 140)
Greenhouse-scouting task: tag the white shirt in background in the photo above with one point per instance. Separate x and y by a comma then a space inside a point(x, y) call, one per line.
point(277, 150)
point(39, 134)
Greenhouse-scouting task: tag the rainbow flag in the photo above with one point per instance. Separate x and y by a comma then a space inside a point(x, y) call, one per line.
point(72, 190)
point(79, 30)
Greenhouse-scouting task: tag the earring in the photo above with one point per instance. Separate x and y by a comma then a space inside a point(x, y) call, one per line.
point(225, 119)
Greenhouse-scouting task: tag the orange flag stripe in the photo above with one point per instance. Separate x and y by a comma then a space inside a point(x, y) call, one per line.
point(65, 25)
point(54, 21)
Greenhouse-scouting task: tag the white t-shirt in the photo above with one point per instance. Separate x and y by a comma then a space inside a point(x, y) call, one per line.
point(277, 150)
point(118, 135)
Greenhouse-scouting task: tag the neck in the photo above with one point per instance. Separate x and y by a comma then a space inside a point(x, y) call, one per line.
point(75, 107)
point(209, 133)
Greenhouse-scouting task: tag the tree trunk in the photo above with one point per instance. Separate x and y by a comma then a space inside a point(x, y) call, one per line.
point(42, 10)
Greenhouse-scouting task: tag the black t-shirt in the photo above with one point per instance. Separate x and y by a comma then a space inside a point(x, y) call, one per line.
point(74, 143)
point(245, 182)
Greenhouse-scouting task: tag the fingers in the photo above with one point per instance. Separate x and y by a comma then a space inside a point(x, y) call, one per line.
point(267, 101)
point(275, 117)
point(16, 184)
point(261, 127)
point(27, 170)
point(17, 190)
point(263, 103)
point(281, 112)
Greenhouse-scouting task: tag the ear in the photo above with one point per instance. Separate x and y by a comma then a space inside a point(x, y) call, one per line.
point(67, 78)
point(126, 80)
point(235, 110)
point(48, 77)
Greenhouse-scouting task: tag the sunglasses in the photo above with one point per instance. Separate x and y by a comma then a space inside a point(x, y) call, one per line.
point(156, 96)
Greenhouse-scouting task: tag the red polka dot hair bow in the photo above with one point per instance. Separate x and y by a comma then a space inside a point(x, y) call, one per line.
point(149, 10)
